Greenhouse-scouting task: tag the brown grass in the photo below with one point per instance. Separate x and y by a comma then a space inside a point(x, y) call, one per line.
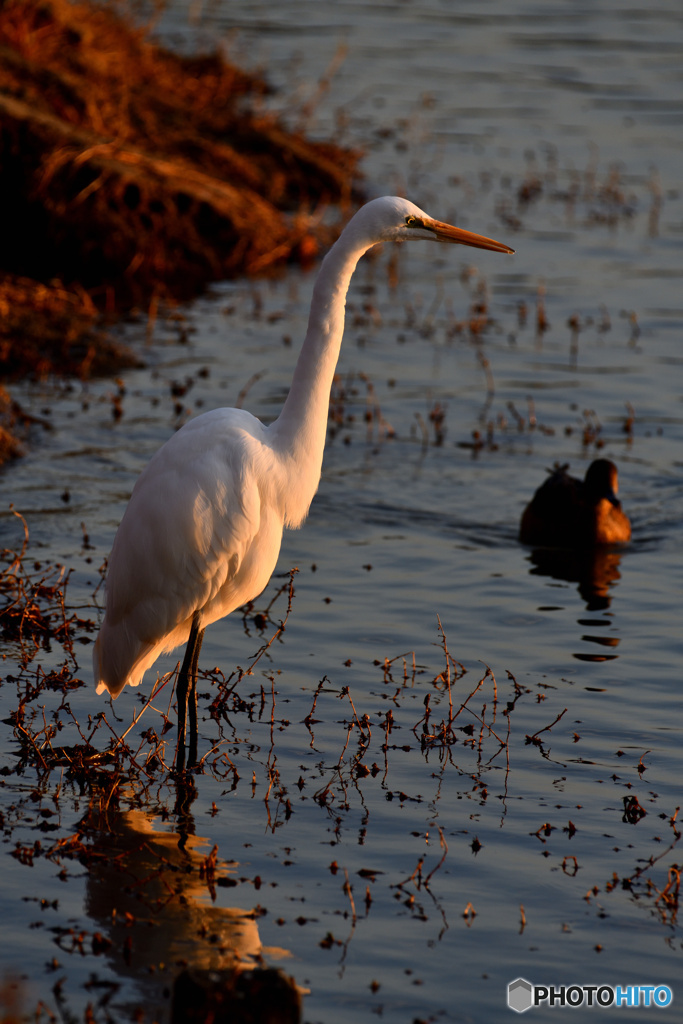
point(130, 174)
point(136, 170)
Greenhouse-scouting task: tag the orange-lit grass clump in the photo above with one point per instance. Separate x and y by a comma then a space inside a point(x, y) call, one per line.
point(134, 169)
point(135, 174)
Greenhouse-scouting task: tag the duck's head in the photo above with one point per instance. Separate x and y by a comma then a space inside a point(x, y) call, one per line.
point(602, 482)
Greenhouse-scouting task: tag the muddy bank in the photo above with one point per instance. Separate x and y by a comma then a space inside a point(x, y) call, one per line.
point(133, 174)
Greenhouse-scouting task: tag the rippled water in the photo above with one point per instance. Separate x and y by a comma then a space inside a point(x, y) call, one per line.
point(556, 128)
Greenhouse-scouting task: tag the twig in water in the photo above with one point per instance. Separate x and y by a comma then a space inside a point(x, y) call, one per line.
point(222, 696)
point(534, 737)
point(447, 674)
point(444, 847)
point(469, 913)
point(346, 692)
point(348, 889)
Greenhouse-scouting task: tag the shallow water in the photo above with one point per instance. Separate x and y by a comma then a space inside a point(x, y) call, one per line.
point(555, 128)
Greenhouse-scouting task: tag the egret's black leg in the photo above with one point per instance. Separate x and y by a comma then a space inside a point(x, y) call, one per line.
point(192, 697)
point(186, 691)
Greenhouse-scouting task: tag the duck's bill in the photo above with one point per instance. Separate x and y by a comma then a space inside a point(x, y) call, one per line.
point(449, 233)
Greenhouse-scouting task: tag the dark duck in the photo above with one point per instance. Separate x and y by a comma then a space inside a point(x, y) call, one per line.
point(569, 513)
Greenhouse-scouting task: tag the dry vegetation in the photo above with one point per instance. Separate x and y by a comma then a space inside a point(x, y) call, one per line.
point(133, 174)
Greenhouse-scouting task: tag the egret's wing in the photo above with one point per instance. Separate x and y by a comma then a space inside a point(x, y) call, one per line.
point(190, 524)
point(191, 519)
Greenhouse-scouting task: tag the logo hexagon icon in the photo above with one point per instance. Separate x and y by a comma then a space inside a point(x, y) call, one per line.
point(520, 995)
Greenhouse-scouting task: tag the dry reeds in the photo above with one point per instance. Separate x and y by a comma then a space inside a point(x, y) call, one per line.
point(132, 174)
point(135, 170)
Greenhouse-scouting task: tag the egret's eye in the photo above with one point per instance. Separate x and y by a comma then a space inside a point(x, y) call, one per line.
point(413, 222)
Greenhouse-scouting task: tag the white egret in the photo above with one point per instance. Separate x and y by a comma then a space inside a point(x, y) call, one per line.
point(202, 531)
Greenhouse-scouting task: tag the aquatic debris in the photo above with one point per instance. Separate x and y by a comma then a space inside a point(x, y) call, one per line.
point(32, 608)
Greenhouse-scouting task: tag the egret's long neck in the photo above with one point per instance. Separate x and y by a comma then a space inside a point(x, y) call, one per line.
point(300, 429)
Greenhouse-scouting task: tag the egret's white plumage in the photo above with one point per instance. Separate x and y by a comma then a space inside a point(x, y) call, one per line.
point(202, 532)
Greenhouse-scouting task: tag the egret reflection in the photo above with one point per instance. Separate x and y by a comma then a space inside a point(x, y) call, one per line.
point(155, 895)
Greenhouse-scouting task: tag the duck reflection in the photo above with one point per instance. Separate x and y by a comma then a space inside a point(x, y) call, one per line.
point(151, 892)
point(596, 571)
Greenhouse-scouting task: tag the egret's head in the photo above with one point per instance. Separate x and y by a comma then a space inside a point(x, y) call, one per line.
point(394, 219)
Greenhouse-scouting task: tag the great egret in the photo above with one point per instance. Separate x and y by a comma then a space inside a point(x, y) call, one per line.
point(202, 531)
point(569, 513)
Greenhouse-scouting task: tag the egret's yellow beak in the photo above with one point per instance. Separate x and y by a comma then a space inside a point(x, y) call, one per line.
point(449, 233)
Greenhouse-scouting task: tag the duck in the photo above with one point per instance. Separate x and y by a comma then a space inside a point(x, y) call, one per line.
point(566, 512)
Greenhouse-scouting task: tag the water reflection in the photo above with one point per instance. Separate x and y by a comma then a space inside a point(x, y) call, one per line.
point(152, 895)
point(595, 570)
